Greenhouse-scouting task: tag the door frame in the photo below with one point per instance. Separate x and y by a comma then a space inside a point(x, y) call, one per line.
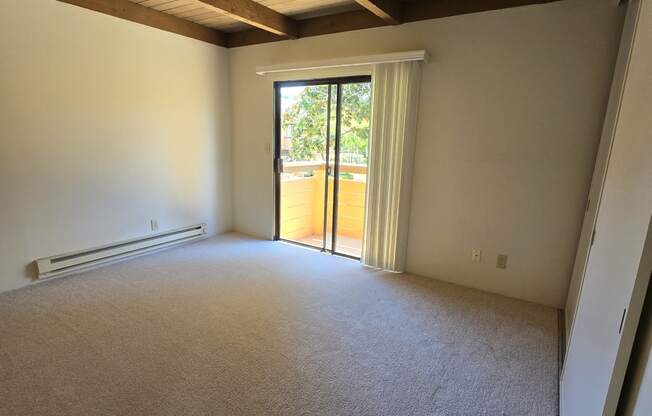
point(276, 165)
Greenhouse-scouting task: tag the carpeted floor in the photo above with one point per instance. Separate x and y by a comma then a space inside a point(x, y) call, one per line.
point(237, 326)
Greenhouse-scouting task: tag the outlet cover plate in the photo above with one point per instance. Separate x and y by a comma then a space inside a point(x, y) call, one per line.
point(501, 261)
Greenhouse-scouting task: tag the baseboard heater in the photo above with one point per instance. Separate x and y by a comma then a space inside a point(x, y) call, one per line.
point(110, 253)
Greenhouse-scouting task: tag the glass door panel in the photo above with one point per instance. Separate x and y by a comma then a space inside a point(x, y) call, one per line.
point(355, 111)
point(303, 144)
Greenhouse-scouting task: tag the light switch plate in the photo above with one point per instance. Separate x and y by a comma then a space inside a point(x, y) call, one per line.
point(476, 255)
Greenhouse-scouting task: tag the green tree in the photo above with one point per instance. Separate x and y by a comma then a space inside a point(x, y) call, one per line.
point(305, 121)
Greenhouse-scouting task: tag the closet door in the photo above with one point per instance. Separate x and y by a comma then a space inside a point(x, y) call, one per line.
point(600, 169)
point(620, 260)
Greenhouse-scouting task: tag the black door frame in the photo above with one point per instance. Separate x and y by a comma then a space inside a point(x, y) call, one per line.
point(337, 82)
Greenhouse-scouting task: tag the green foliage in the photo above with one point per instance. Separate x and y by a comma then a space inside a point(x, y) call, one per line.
point(305, 121)
point(346, 175)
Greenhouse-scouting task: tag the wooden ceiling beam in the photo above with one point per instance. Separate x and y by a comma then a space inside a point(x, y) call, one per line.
point(127, 10)
point(388, 10)
point(335, 23)
point(412, 12)
point(274, 26)
point(255, 14)
point(426, 10)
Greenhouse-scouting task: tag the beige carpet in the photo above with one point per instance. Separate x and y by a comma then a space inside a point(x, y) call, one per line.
point(237, 326)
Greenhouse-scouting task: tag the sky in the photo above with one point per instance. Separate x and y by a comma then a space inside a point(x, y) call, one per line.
point(289, 96)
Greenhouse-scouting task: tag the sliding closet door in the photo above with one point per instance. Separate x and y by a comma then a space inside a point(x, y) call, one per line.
point(620, 260)
point(600, 170)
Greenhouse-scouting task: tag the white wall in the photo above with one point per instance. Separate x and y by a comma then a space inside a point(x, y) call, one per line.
point(511, 111)
point(105, 124)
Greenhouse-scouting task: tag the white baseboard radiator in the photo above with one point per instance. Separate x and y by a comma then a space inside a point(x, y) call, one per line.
point(91, 258)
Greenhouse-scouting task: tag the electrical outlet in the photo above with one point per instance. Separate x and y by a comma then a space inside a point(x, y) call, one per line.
point(154, 225)
point(501, 261)
point(476, 255)
point(268, 148)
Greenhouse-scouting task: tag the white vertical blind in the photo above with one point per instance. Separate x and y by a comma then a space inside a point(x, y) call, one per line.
point(395, 98)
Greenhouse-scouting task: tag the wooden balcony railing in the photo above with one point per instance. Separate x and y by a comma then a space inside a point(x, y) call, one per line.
point(294, 167)
point(302, 199)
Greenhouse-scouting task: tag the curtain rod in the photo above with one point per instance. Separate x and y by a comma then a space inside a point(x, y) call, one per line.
point(385, 58)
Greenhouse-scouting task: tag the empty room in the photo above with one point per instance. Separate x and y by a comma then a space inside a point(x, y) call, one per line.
point(326, 207)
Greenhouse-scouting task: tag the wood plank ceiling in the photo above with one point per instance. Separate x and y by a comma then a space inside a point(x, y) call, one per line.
point(233, 23)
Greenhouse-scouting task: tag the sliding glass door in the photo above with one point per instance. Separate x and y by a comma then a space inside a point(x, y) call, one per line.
point(320, 161)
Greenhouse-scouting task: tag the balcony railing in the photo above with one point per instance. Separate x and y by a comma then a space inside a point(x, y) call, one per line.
point(302, 200)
